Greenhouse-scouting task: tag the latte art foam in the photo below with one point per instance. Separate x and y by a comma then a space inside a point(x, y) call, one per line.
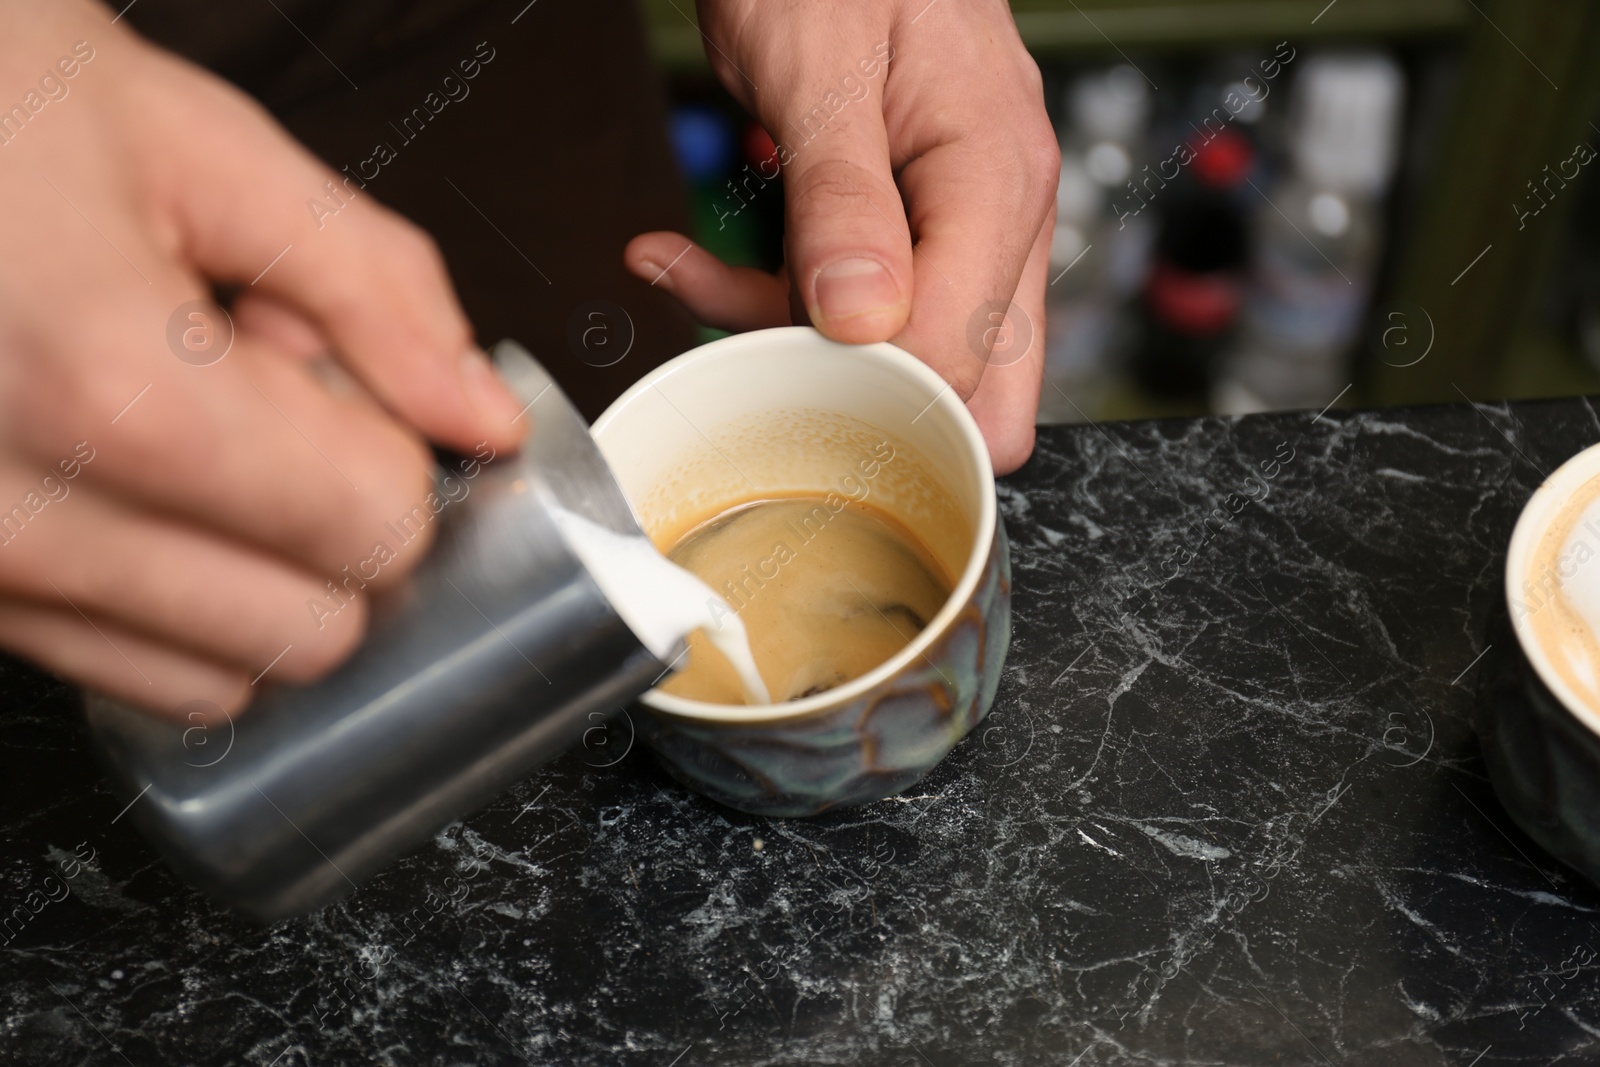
point(1562, 590)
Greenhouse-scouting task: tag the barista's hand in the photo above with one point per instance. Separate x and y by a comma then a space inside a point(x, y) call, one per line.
point(898, 121)
point(163, 525)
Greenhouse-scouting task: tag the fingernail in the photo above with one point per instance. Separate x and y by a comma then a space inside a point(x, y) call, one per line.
point(492, 397)
point(855, 286)
point(655, 273)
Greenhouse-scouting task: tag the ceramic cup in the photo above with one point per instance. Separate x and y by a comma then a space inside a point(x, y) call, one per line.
point(785, 411)
point(1541, 743)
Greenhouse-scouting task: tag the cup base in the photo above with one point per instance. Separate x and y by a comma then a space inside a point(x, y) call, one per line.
point(1543, 763)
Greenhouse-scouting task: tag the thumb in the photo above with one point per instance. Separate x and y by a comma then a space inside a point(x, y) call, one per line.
point(848, 246)
point(266, 215)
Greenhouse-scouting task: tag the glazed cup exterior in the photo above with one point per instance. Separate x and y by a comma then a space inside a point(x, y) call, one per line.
point(1541, 744)
point(787, 410)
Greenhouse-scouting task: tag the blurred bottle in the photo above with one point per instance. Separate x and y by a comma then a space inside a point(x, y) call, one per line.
point(1195, 286)
point(703, 141)
point(1095, 260)
point(1319, 238)
point(760, 183)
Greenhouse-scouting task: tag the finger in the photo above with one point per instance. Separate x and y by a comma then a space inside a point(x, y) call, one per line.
point(315, 476)
point(289, 333)
point(720, 296)
point(846, 240)
point(234, 437)
point(254, 447)
point(182, 588)
point(122, 665)
point(1006, 404)
point(977, 206)
point(256, 209)
point(280, 325)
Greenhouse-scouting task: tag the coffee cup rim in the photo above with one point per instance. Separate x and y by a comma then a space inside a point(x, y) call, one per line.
point(940, 397)
point(1537, 514)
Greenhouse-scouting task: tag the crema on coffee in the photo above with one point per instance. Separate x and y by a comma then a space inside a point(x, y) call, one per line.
point(1561, 590)
point(827, 589)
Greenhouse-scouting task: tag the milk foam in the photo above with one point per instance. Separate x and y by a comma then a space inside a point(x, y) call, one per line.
point(1558, 603)
point(660, 601)
point(1580, 590)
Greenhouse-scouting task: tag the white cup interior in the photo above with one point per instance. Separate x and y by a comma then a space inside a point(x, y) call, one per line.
point(788, 411)
point(1542, 509)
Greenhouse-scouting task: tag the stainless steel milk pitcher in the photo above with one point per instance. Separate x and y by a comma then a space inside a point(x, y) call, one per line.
point(492, 658)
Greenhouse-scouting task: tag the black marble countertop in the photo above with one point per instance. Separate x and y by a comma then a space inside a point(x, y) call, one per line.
point(1228, 809)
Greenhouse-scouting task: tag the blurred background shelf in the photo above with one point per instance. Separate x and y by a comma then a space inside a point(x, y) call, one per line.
point(1054, 26)
point(1496, 95)
point(1048, 26)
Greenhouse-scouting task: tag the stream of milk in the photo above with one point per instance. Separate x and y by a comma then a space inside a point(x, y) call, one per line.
point(660, 601)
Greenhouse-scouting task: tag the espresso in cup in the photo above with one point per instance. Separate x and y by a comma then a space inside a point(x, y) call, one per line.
point(827, 589)
point(1560, 606)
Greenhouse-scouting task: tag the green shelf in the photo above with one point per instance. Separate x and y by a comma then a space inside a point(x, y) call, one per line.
point(1055, 26)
